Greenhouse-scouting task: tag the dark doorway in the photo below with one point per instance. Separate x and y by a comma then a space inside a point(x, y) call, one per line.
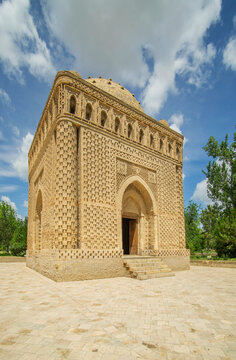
point(125, 235)
point(129, 236)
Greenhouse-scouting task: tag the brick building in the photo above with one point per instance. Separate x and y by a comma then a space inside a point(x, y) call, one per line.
point(105, 180)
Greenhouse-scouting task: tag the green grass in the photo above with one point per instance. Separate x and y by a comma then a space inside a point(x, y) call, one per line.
point(3, 253)
point(202, 257)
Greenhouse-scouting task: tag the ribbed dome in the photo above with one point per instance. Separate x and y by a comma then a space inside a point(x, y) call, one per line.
point(116, 90)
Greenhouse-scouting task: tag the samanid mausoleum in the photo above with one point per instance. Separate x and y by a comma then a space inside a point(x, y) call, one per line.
point(105, 186)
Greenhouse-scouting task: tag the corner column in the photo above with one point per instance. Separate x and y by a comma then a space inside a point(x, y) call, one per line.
point(66, 218)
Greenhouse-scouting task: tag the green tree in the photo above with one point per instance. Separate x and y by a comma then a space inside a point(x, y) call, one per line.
point(221, 173)
point(221, 189)
point(225, 235)
point(192, 227)
point(18, 242)
point(209, 218)
point(8, 224)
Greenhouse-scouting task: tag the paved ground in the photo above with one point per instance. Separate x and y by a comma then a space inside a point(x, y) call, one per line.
point(189, 316)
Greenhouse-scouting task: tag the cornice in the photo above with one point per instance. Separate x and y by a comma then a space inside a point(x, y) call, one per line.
point(111, 100)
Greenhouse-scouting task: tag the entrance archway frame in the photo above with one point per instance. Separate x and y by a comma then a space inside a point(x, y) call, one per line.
point(120, 195)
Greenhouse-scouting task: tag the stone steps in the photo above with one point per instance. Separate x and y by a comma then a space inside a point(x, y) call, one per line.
point(146, 267)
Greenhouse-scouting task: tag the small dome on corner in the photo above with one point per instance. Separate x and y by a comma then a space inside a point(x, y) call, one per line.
point(164, 122)
point(75, 73)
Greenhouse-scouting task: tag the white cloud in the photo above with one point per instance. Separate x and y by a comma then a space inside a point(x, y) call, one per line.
point(15, 158)
point(8, 201)
point(8, 188)
point(229, 54)
point(20, 44)
point(184, 176)
point(108, 39)
point(200, 193)
point(20, 162)
point(5, 98)
point(176, 121)
point(25, 204)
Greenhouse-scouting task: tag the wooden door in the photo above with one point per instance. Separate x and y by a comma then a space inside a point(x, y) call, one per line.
point(133, 237)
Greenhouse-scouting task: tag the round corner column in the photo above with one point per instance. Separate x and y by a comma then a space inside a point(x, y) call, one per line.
point(66, 206)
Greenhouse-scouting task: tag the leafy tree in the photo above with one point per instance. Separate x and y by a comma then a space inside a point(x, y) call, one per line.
point(221, 173)
point(18, 242)
point(209, 218)
point(221, 189)
point(8, 224)
point(225, 236)
point(192, 227)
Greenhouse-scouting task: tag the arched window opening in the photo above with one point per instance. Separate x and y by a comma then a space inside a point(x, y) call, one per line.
point(177, 152)
point(161, 144)
point(72, 104)
point(88, 112)
point(117, 124)
point(169, 148)
point(130, 130)
point(103, 118)
point(151, 140)
point(141, 134)
point(55, 136)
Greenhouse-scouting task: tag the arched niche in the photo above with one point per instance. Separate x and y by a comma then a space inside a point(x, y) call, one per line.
point(38, 221)
point(137, 217)
point(72, 104)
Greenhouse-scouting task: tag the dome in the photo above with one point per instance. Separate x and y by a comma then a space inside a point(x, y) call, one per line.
point(164, 122)
point(116, 90)
point(75, 73)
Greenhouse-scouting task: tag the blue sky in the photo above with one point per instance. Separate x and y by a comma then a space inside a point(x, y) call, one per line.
point(177, 57)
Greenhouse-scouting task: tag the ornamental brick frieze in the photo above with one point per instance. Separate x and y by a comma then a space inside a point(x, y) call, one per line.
point(125, 169)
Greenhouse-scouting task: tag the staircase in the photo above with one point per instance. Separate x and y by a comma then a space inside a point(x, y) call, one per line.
point(146, 267)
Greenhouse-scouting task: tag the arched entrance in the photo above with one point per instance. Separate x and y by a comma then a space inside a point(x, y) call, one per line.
point(139, 226)
point(38, 221)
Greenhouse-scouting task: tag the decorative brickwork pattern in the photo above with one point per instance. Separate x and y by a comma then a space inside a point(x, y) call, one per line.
point(167, 188)
point(43, 179)
point(66, 186)
point(173, 252)
point(99, 227)
point(89, 254)
point(30, 229)
point(68, 254)
point(96, 168)
point(180, 206)
point(96, 159)
point(169, 233)
point(133, 169)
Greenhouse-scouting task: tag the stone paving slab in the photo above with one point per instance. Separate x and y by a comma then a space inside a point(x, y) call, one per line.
point(189, 316)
